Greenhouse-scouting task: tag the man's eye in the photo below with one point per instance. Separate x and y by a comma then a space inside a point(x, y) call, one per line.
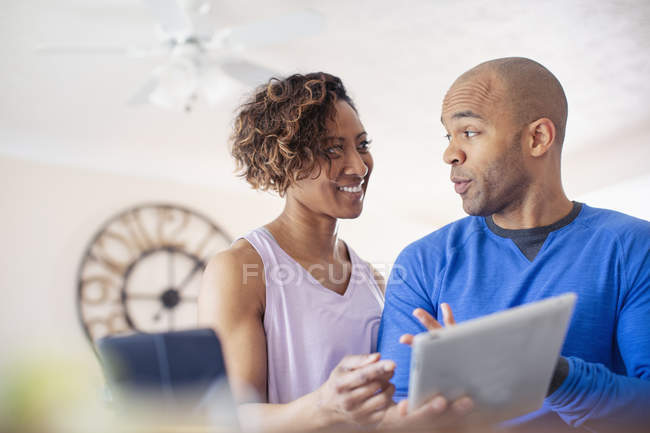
point(470, 134)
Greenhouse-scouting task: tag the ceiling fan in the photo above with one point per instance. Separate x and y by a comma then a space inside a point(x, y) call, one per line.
point(199, 57)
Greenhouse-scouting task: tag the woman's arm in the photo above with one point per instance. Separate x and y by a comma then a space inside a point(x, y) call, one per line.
point(232, 303)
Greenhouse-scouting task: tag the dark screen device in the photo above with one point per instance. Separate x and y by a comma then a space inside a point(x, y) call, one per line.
point(169, 365)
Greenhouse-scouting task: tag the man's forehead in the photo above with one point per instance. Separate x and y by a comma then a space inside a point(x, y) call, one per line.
point(472, 97)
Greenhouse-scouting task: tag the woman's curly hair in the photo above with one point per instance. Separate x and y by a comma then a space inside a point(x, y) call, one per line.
point(278, 134)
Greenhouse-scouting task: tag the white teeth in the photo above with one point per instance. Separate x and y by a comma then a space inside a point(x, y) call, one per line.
point(350, 188)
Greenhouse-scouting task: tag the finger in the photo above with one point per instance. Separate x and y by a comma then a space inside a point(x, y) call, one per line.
point(380, 371)
point(447, 315)
point(377, 401)
point(351, 362)
point(403, 407)
point(406, 339)
point(451, 413)
point(376, 417)
point(426, 319)
point(430, 410)
point(462, 406)
point(354, 399)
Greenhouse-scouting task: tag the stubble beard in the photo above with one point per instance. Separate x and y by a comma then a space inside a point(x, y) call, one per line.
point(503, 184)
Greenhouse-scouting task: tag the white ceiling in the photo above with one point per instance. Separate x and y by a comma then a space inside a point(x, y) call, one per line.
point(397, 62)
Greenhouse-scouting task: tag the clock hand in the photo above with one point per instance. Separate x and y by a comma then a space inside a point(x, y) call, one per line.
point(170, 266)
point(156, 317)
point(198, 266)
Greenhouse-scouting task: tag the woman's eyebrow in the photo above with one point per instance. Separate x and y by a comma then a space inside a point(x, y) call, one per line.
point(332, 137)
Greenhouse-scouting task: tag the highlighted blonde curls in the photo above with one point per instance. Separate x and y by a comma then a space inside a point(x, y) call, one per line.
point(279, 132)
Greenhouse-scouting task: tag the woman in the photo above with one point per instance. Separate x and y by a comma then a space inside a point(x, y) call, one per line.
point(291, 301)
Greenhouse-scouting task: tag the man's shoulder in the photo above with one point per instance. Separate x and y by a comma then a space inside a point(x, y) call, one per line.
point(448, 237)
point(614, 222)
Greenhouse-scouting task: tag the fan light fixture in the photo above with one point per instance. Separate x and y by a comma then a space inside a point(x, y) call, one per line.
point(177, 85)
point(203, 58)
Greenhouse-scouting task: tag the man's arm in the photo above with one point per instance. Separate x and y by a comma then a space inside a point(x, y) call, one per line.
point(404, 293)
point(593, 395)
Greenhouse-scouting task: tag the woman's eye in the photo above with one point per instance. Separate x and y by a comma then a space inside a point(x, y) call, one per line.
point(447, 136)
point(470, 134)
point(333, 150)
point(364, 145)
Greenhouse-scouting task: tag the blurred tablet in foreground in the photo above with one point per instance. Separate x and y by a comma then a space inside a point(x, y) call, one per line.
point(180, 371)
point(503, 361)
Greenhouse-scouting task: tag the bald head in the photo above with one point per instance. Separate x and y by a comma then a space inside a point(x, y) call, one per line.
point(527, 90)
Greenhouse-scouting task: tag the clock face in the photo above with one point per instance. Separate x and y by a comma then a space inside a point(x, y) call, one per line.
point(142, 270)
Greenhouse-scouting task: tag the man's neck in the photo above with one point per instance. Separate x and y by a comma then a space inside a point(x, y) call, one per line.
point(537, 210)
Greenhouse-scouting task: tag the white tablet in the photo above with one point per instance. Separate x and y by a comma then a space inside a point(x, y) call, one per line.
point(503, 361)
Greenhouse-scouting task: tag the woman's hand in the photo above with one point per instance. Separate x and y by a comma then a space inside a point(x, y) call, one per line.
point(358, 391)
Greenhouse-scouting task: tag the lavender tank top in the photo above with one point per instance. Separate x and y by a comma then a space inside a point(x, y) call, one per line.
point(310, 328)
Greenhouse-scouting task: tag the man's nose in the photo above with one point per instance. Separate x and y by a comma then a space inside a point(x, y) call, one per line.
point(453, 154)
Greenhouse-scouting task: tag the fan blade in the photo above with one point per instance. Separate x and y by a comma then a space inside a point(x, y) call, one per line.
point(247, 73)
point(80, 49)
point(275, 31)
point(132, 52)
point(215, 86)
point(172, 17)
point(204, 16)
point(141, 96)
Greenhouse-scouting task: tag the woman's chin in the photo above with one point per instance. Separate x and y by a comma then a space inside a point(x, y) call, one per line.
point(346, 214)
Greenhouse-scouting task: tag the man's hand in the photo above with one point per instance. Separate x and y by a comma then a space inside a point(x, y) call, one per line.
point(429, 322)
point(560, 374)
point(437, 411)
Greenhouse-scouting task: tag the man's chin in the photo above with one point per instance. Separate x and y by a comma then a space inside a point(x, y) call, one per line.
point(475, 209)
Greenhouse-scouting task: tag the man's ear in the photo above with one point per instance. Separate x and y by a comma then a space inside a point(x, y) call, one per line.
point(542, 134)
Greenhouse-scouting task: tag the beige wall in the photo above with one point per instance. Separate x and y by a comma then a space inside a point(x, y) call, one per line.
point(51, 212)
point(49, 215)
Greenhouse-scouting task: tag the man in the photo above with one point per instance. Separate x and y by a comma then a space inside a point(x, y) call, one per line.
point(525, 240)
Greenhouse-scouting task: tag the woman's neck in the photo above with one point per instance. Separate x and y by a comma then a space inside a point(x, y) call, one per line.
point(307, 235)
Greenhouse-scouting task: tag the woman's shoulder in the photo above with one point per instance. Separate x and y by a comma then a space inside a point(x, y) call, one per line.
point(237, 270)
point(241, 253)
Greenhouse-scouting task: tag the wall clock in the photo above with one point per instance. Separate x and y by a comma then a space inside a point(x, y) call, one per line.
point(142, 270)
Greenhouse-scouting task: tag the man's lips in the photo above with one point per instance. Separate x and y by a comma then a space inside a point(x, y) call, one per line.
point(460, 184)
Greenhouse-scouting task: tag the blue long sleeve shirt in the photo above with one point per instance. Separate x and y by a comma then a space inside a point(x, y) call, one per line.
point(602, 255)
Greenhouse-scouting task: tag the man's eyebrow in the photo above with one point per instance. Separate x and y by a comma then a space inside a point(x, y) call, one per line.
point(466, 113)
point(463, 114)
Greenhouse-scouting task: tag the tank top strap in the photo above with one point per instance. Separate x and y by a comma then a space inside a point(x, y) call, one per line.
point(367, 275)
point(265, 246)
